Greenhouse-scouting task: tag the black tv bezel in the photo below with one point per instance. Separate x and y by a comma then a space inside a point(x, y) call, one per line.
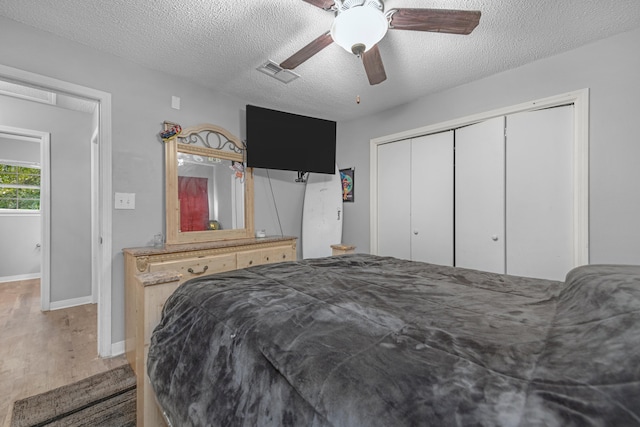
point(283, 125)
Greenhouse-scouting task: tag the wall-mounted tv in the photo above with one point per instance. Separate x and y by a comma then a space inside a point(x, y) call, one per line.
point(286, 141)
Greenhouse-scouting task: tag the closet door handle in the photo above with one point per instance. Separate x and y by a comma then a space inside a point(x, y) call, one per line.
point(190, 270)
point(494, 237)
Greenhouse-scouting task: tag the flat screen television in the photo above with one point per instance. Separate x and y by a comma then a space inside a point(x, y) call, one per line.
point(286, 141)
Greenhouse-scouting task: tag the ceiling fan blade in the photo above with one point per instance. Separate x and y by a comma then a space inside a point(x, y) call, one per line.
point(322, 4)
point(436, 20)
point(373, 66)
point(307, 52)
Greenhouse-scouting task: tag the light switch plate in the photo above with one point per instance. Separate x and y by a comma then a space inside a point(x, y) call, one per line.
point(175, 102)
point(125, 201)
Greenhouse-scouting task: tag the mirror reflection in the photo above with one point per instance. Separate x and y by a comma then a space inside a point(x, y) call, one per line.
point(210, 192)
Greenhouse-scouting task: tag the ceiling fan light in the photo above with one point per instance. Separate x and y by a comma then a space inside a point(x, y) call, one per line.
point(360, 25)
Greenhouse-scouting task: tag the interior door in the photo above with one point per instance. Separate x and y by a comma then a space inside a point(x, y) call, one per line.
point(393, 208)
point(479, 196)
point(432, 198)
point(539, 193)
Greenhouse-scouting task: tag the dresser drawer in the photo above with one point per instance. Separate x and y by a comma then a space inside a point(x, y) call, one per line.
point(281, 254)
point(265, 256)
point(249, 258)
point(194, 267)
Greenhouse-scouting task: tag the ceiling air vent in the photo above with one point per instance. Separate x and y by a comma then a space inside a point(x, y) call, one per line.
point(272, 69)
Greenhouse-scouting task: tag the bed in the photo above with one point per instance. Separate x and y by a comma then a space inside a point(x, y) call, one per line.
point(363, 340)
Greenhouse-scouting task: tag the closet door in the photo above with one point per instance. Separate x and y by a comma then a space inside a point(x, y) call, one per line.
point(540, 193)
point(479, 196)
point(432, 198)
point(393, 208)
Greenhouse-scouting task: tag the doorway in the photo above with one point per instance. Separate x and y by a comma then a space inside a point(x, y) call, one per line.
point(101, 179)
point(26, 151)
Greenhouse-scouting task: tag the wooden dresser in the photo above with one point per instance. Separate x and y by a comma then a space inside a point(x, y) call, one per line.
point(152, 274)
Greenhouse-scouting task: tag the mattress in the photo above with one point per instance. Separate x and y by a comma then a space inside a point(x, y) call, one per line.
point(363, 340)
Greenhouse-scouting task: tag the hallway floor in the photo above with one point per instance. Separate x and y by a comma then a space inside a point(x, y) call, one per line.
point(40, 351)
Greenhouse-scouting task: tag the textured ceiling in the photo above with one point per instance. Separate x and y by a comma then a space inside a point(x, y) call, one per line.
point(219, 44)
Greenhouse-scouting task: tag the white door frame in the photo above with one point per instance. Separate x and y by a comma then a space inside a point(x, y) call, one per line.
point(95, 214)
point(580, 100)
point(45, 205)
point(103, 176)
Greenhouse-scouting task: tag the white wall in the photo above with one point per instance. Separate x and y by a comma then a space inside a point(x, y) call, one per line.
point(141, 100)
point(278, 201)
point(610, 68)
point(19, 256)
point(70, 191)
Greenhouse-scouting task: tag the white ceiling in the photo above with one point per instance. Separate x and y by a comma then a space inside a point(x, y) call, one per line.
point(219, 44)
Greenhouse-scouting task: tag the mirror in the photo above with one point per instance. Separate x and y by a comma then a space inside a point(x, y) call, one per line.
point(209, 191)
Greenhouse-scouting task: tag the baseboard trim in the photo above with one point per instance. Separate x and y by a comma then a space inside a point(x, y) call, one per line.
point(19, 277)
point(67, 303)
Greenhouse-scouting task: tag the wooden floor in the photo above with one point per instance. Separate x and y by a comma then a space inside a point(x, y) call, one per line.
point(40, 351)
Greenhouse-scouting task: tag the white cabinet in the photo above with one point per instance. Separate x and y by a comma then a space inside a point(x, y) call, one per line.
point(540, 193)
point(479, 196)
point(394, 207)
point(502, 200)
point(415, 199)
point(432, 198)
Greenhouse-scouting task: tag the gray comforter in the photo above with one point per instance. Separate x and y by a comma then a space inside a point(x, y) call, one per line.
point(360, 340)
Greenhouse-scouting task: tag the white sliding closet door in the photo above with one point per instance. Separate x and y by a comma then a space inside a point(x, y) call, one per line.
point(394, 192)
point(539, 193)
point(432, 198)
point(479, 196)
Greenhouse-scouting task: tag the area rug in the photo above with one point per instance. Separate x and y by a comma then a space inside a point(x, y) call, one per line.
point(105, 399)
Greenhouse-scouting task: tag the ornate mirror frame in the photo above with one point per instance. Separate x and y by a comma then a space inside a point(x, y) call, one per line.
point(199, 140)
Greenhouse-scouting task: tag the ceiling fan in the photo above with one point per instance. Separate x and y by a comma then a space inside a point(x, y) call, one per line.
point(360, 24)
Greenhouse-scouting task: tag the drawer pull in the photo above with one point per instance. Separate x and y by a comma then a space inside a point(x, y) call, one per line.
point(190, 270)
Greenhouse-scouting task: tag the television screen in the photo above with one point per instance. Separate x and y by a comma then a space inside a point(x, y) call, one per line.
point(286, 141)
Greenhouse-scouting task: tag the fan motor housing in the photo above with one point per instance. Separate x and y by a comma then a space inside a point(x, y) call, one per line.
point(358, 28)
point(348, 4)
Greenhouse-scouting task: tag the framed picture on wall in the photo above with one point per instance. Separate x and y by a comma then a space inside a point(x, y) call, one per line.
point(346, 176)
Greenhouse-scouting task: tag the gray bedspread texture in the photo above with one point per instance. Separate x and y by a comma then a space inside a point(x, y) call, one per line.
point(362, 340)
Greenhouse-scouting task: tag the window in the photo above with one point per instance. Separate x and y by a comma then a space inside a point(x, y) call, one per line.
point(19, 186)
